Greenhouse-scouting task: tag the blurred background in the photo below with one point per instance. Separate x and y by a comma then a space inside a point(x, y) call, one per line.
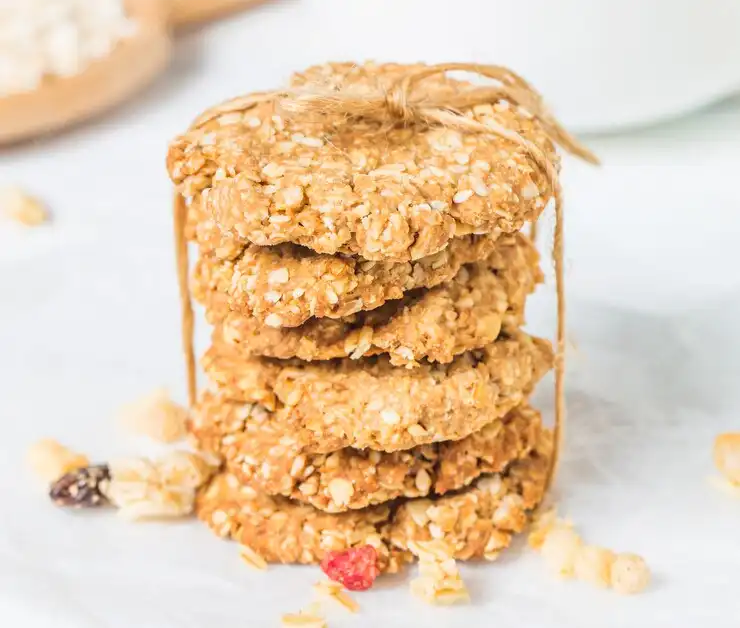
point(88, 307)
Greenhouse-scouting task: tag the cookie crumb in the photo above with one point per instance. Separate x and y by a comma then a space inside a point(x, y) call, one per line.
point(22, 207)
point(334, 591)
point(560, 548)
point(593, 564)
point(439, 581)
point(629, 574)
point(157, 417)
point(50, 460)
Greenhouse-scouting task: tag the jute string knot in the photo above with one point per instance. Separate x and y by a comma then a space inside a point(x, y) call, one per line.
point(401, 103)
point(396, 100)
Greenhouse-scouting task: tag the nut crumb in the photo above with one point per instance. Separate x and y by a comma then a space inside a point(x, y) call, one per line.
point(629, 574)
point(566, 555)
point(593, 565)
point(727, 456)
point(21, 207)
point(560, 548)
point(50, 460)
point(157, 417)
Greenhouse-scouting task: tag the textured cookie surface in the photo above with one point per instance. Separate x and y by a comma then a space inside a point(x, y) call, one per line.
point(260, 455)
point(361, 186)
point(285, 285)
point(478, 522)
point(464, 313)
point(370, 403)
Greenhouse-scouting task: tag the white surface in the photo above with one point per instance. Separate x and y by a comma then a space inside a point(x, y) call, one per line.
point(89, 321)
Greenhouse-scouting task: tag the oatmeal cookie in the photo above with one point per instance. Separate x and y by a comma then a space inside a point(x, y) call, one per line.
point(464, 313)
point(283, 531)
point(203, 230)
point(273, 462)
point(364, 188)
point(478, 522)
point(285, 285)
point(370, 403)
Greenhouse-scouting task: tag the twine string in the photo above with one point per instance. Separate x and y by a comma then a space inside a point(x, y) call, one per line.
point(402, 103)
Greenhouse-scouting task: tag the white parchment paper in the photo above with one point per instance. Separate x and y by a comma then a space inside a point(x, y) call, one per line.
point(88, 322)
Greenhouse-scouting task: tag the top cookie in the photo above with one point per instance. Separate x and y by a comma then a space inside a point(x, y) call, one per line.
point(361, 187)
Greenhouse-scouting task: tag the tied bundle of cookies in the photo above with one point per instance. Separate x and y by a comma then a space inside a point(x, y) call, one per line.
point(362, 263)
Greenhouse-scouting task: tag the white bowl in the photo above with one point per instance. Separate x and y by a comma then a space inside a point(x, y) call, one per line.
point(601, 64)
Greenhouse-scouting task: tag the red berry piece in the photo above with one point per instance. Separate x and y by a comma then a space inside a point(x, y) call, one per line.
point(355, 568)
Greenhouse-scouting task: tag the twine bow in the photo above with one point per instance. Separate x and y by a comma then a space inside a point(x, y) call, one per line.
point(403, 103)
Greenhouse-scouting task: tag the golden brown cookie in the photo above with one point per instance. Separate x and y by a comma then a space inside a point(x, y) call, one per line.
point(370, 403)
point(362, 187)
point(285, 285)
point(464, 313)
point(478, 522)
point(273, 462)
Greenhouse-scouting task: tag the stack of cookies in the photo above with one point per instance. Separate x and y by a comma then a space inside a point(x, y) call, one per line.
point(366, 278)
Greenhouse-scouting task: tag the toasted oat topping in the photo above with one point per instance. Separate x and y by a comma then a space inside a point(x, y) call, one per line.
point(284, 531)
point(330, 405)
point(437, 324)
point(321, 285)
point(261, 455)
point(398, 193)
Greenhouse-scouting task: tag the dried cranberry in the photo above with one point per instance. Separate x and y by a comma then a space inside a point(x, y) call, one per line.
point(355, 568)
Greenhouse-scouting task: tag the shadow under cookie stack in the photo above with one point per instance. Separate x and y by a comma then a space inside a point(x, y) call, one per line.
point(363, 268)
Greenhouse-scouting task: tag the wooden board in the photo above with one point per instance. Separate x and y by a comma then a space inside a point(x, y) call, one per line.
point(188, 12)
point(61, 102)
